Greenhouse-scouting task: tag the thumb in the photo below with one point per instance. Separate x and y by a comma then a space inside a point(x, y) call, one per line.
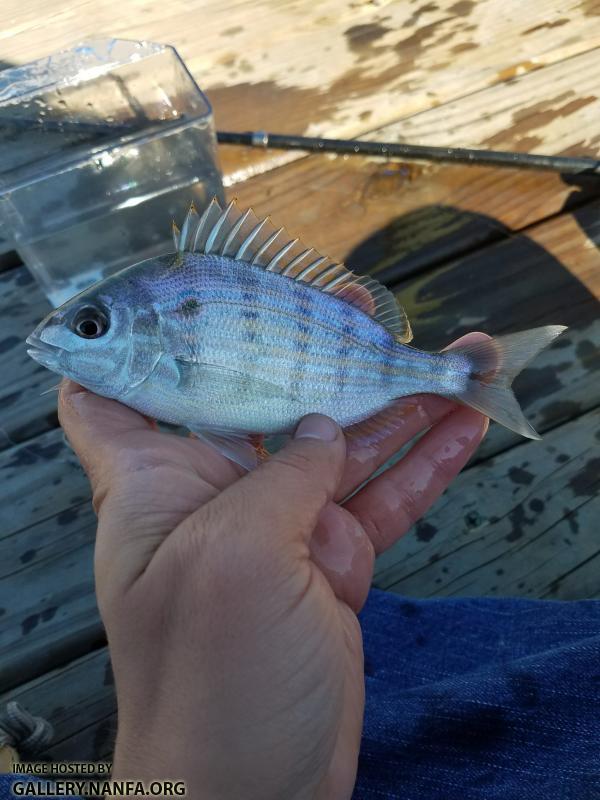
point(288, 492)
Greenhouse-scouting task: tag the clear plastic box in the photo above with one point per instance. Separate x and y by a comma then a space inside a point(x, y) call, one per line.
point(102, 147)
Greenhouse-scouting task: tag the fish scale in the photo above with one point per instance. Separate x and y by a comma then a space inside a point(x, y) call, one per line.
point(244, 330)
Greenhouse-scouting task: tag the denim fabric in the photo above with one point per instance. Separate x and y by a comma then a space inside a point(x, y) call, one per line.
point(480, 699)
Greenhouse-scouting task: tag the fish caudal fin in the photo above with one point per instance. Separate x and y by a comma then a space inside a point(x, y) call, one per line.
point(495, 364)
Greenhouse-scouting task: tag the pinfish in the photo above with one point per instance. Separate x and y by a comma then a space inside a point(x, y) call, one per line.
point(244, 330)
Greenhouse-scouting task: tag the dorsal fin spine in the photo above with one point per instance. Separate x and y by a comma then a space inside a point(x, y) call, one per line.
point(341, 279)
point(250, 238)
point(235, 230)
point(264, 247)
point(201, 223)
point(315, 280)
point(298, 260)
point(329, 271)
point(279, 255)
point(307, 270)
point(183, 233)
point(217, 227)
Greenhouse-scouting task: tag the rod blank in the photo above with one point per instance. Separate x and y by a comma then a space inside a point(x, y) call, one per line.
point(450, 155)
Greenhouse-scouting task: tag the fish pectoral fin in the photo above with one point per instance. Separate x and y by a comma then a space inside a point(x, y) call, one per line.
point(241, 448)
point(218, 381)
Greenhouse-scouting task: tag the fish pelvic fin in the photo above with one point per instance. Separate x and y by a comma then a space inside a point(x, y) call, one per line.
point(247, 450)
point(240, 235)
point(494, 365)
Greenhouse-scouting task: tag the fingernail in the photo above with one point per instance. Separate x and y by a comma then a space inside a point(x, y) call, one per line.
point(316, 426)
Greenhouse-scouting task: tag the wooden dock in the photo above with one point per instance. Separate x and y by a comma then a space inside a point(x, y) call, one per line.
point(464, 248)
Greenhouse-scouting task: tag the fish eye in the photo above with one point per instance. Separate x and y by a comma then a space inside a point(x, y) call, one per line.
point(90, 323)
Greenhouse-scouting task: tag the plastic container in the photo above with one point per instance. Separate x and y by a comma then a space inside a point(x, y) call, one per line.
point(102, 147)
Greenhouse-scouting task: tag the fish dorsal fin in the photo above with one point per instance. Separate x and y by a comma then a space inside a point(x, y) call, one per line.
point(240, 235)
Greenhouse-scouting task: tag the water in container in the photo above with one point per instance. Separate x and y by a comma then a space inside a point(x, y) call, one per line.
point(103, 147)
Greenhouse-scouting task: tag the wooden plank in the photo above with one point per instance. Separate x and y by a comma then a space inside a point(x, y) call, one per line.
point(9, 259)
point(394, 219)
point(523, 523)
point(47, 527)
point(24, 412)
point(49, 612)
point(40, 478)
point(79, 701)
point(338, 67)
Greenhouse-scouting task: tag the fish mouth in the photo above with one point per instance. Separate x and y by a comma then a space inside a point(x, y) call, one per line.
point(45, 354)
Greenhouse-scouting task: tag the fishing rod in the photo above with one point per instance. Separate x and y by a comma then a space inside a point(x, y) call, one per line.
point(360, 147)
point(449, 155)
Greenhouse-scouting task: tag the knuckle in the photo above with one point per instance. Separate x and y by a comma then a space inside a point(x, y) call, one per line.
point(302, 470)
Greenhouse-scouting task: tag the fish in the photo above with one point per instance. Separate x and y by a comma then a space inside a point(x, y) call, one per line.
point(242, 330)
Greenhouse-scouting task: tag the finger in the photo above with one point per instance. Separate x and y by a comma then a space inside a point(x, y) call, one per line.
point(115, 444)
point(94, 426)
point(344, 553)
point(285, 495)
point(392, 429)
point(389, 432)
point(389, 505)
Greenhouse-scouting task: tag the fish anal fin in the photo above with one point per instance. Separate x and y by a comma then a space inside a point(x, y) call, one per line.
point(239, 234)
point(373, 431)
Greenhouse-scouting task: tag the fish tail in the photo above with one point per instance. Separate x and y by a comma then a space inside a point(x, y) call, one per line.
point(495, 363)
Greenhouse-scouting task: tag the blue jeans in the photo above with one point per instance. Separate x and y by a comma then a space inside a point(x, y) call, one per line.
point(480, 699)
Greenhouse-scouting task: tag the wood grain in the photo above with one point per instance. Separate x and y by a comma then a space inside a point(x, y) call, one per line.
point(418, 214)
point(518, 524)
point(79, 700)
point(339, 68)
point(24, 412)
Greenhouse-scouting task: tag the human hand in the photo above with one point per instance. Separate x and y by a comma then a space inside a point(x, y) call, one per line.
point(230, 600)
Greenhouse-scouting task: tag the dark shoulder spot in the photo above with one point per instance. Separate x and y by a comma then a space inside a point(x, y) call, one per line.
point(189, 307)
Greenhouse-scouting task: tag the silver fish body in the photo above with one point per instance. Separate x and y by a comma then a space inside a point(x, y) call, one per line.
point(230, 346)
point(243, 349)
